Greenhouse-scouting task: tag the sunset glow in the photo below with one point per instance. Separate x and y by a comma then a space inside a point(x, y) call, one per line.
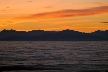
point(79, 15)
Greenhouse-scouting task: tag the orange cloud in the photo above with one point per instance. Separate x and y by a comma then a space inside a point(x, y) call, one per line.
point(68, 13)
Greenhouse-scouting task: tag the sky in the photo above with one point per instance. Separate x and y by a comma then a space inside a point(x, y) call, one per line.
point(79, 15)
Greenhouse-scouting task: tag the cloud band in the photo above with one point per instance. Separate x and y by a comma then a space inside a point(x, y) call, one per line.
point(68, 13)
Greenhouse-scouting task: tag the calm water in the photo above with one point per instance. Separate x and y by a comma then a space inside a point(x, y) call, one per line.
point(93, 54)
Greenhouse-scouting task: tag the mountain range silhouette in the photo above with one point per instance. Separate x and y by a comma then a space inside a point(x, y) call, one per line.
point(64, 35)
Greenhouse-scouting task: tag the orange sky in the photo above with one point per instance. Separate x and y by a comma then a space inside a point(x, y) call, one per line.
point(79, 15)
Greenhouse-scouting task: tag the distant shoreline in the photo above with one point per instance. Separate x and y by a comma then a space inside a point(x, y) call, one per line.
point(41, 35)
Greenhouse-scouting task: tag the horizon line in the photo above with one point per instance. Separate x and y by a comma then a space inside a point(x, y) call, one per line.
point(50, 30)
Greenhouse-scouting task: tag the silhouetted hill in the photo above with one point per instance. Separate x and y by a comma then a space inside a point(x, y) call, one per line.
point(41, 35)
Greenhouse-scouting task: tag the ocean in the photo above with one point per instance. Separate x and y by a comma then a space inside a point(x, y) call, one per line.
point(67, 55)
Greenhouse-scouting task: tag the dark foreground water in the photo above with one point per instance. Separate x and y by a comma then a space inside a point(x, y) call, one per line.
point(54, 56)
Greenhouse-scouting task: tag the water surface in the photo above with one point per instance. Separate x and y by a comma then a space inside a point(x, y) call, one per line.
point(70, 54)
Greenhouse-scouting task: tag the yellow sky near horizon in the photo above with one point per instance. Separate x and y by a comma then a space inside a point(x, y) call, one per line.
point(79, 15)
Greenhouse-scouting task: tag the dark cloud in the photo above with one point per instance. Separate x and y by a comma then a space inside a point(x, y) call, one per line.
point(104, 22)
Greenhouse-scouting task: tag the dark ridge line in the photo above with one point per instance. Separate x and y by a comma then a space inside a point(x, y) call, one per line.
point(41, 35)
point(51, 30)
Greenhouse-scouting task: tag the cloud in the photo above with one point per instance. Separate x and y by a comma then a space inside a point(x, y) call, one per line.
point(48, 7)
point(3, 10)
point(104, 22)
point(8, 7)
point(99, 3)
point(2, 25)
point(29, 1)
point(68, 13)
